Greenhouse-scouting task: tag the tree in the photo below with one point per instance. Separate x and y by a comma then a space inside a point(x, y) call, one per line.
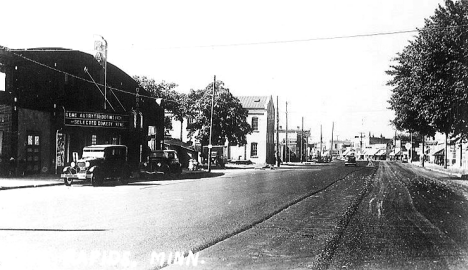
point(174, 102)
point(229, 117)
point(430, 78)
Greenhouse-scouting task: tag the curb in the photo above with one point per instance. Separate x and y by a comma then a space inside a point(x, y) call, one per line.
point(31, 186)
point(61, 183)
point(459, 175)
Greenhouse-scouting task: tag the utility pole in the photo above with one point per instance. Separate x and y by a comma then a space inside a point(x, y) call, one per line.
point(105, 74)
point(101, 48)
point(286, 149)
point(277, 134)
point(210, 146)
point(360, 145)
point(320, 153)
point(411, 148)
point(331, 148)
point(302, 139)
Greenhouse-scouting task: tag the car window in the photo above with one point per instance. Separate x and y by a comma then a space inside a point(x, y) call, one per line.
point(92, 153)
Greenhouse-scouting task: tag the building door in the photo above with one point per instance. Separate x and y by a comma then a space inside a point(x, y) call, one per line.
point(33, 153)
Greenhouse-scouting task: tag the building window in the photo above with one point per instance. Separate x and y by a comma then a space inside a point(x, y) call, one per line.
point(2, 81)
point(253, 149)
point(255, 123)
point(33, 153)
point(190, 120)
point(115, 141)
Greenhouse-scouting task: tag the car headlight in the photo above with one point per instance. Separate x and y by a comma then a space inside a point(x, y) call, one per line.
point(73, 164)
point(87, 164)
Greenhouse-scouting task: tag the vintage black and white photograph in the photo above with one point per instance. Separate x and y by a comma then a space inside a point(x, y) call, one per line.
point(227, 135)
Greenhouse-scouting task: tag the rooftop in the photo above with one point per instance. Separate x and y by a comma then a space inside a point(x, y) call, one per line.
point(254, 102)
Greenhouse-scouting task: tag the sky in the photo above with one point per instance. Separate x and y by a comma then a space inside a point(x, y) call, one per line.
point(321, 57)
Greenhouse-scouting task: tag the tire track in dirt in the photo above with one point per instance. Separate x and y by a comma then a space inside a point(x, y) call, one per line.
point(388, 232)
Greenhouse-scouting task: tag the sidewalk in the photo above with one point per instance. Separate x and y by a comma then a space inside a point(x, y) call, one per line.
point(452, 171)
point(46, 180)
point(37, 180)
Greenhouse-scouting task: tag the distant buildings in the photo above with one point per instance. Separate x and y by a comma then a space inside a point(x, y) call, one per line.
point(260, 147)
point(291, 151)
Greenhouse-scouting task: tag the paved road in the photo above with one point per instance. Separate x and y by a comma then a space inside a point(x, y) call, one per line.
point(396, 217)
point(391, 216)
point(85, 227)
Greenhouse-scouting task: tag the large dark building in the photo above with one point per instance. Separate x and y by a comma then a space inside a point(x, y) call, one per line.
point(53, 105)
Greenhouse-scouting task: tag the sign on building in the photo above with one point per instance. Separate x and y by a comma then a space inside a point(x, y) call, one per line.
point(93, 119)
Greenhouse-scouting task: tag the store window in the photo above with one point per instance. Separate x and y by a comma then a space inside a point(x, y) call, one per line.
point(253, 149)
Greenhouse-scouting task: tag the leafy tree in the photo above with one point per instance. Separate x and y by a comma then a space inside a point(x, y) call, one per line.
point(431, 76)
point(174, 101)
point(229, 117)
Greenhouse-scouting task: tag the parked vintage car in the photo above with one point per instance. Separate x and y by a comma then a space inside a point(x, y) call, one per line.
point(350, 160)
point(162, 162)
point(99, 163)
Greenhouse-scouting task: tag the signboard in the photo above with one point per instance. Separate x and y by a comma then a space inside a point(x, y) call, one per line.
point(60, 160)
point(96, 120)
point(408, 146)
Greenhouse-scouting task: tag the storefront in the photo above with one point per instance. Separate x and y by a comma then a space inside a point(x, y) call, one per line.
point(54, 104)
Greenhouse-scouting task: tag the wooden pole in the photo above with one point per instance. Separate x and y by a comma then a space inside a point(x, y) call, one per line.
point(211, 125)
point(277, 134)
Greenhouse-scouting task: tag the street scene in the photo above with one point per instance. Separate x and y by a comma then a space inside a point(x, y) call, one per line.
point(325, 216)
point(234, 135)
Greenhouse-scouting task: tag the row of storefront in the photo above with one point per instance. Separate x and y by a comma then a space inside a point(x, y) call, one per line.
point(54, 104)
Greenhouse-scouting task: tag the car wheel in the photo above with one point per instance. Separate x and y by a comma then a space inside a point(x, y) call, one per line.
point(165, 169)
point(68, 181)
point(124, 176)
point(96, 180)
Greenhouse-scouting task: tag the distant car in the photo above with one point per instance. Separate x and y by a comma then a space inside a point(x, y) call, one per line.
point(350, 160)
point(163, 162)
point(99, 163)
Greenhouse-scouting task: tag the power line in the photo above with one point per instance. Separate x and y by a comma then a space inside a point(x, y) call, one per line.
point(78, 77)
point(273, 42)
point(318, 38)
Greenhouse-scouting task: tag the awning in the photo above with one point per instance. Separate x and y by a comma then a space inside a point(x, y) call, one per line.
point(381, 152)
point(440, 152)
point(173, 142)
point(371, 152)
point(349, 151)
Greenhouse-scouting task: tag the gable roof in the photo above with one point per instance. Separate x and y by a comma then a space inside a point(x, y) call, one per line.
point(254, 102)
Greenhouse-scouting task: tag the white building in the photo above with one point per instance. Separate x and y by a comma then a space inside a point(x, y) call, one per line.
point(260, 147)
